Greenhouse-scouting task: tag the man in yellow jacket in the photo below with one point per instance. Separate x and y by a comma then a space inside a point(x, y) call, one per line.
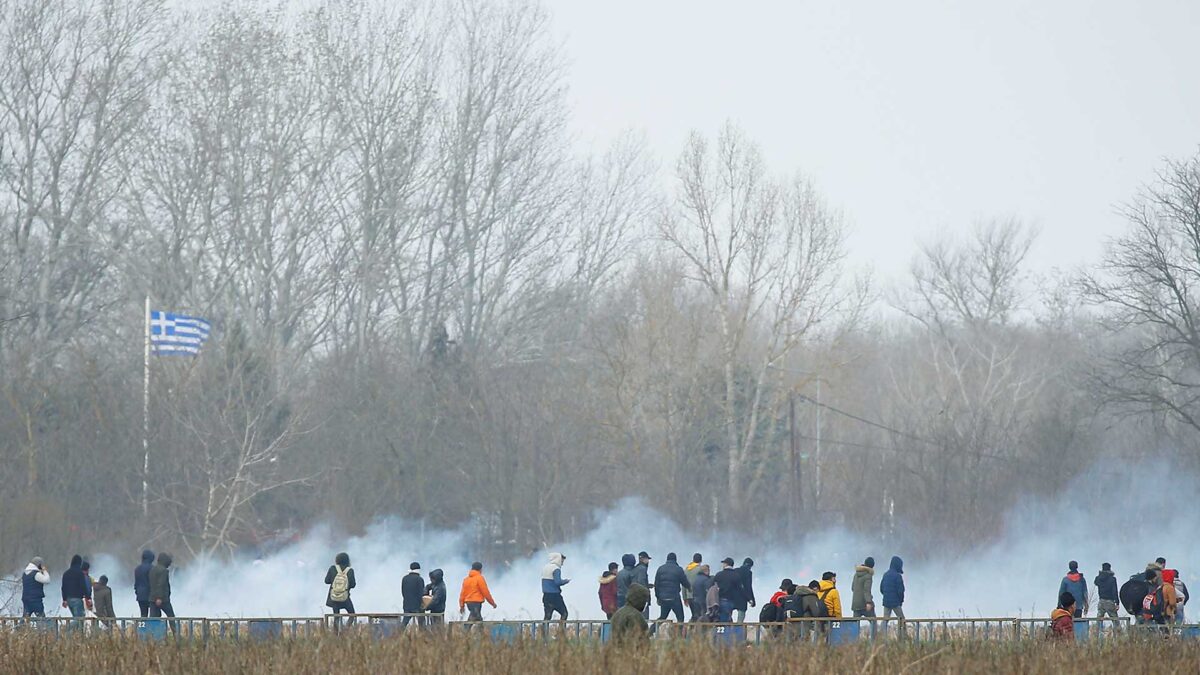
point(828, 593)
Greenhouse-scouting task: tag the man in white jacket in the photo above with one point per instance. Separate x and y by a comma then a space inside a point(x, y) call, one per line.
point(33, 587)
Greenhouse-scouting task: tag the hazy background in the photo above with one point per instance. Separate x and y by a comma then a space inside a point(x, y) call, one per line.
point(912, 117)
point(490, 278)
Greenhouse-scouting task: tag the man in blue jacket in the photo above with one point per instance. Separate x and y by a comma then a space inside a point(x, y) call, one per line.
point(891, 588)
point(141, 582)
point(552, 583)
point(1076, 585)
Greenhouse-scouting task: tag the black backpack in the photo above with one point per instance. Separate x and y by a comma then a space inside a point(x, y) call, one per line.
point(822, 608)
point(792, 607)
point(769, 613)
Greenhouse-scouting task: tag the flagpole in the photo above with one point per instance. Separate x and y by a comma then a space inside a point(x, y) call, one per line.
point(146, 416)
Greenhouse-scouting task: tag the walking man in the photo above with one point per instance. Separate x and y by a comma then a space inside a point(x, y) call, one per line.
point(552, 583)
point(474, 593)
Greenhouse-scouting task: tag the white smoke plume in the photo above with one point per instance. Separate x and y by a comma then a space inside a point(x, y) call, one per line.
point(1102, 517)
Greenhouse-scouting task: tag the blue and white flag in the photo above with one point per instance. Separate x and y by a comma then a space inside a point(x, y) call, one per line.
point(172, 334)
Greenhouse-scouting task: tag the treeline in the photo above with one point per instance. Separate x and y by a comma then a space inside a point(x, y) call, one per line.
point(428, 303)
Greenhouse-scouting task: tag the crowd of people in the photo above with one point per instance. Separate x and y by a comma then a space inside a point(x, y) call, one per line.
point(84, 595)
point(1156, 595)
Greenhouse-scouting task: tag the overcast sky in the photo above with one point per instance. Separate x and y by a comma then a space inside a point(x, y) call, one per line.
point(913, 117)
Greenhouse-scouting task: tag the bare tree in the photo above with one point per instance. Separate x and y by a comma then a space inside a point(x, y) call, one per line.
point(769, 257)
point(1148, 283)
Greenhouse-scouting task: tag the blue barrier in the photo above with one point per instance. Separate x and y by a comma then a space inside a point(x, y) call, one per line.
point(1081, 630)
point(152, 629)
point(730, 635)
point(386, 627)
point(264, 629)
point(503, 633)
point(843, 632)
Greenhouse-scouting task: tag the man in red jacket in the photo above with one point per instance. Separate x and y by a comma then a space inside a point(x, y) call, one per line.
point(1062, 619)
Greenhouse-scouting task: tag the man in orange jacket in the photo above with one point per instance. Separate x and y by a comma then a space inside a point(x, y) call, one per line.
point(474, 593)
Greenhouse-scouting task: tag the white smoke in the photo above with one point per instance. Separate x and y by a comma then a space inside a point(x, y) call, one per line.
point(1103, 517)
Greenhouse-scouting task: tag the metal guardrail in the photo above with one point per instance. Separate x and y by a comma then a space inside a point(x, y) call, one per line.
point(381, 626)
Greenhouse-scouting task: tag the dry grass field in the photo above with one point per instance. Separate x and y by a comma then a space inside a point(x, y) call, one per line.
point(332, 654)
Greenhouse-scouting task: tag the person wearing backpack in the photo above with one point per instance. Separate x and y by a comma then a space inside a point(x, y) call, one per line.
point(830, 596)
point(1158, 605)
point(340, 579)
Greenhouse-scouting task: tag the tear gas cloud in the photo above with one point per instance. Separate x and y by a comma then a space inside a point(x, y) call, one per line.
point(1101, 517)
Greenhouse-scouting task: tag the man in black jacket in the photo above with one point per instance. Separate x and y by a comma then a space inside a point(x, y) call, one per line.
point(669, 582)
point(746, 593)
point(729, 588)
point(75, 587)
point(141, 582)
point(412, 587)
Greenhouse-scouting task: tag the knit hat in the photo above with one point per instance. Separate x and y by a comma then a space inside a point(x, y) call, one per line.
point(37, 561)
point(869, 562)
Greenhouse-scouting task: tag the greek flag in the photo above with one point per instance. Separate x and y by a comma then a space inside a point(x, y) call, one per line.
point(172, 334)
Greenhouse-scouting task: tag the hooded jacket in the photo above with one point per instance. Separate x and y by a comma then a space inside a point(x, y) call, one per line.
point(608, 593)
point(669, 581)
point(892, 585)
point(1062, 625)
point(1106, 585)
point(474, 589)
point(1076, 585)
point(412, 589)
point(700, 585)
point(809, 602)
point(629, 627)
point(690, 571)
point(625, 577)
point(833, 599)
point(160, 579)
point(33, 583)
point(552, 581)
point(436, 589)
point(74, 585)
point(141, 577)
point(860, 588)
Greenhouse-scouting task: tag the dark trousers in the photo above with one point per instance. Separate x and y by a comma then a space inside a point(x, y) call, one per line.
point(474, 611)
point(667, 606)
point(697, 607)
point(551, 603)
point(144, 608)
point(725, 611)
point(34, 607)
point(408, 617)
point(157, 611)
